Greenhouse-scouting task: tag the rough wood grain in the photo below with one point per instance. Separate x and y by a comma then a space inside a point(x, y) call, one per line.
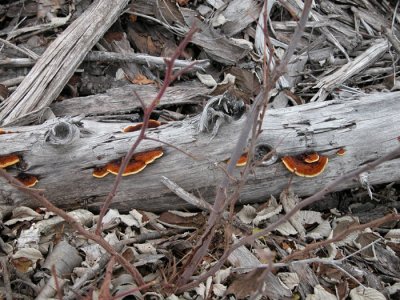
point(52, 71)
point(123, 99)
point(368, 127)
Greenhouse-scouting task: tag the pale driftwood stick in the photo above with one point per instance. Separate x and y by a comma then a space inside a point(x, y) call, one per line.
point(144, 59)
point(103, 56)
point(361, 62)
point(52, 71)
point(30, 54)
point(123, 99)
point(368, 127)
point(392, 38)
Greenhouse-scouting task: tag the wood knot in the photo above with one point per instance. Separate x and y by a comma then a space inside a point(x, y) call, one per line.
point(62, 133)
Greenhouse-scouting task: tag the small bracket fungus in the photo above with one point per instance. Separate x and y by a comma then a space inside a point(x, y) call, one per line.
point(27, 180)
point(311, 157)
point(151, 124)
point(300, 167)
point(341, 152)
point(138, 162)
point(148, 156)
point(100, 172)
point(2, 131)
point(8, 160)
point(132, 168)
point(242, 161)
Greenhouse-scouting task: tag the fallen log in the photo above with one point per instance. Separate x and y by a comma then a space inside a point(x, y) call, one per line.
point(62, 153)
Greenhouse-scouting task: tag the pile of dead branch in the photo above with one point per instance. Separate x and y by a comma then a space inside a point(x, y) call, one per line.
point(159, 149)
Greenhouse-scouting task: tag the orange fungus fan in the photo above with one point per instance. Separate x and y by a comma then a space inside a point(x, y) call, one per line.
point(341, 152)
point(8, 160)
point(311, 157)
point(242, 161)
point(148, 156)
point(152, 124)
point(27, 179)
point(301, 168)
point(100, 172)
point(132, 168)
point(2, 131)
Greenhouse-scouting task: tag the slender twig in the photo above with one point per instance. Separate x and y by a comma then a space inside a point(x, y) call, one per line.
point(146, 117)
point(75, 224)
point(342, 235)
point(200, 250)
point(171, 146)
point(29, 53)
point(316, 197)
point(6, 278)
point(56, 283)
point(333, 262)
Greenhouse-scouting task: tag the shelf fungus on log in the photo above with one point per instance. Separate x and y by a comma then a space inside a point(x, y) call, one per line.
point(27, 180)
point(300, 167)
point(2, 131)
point(310, 157)
point(8, 160)
point(242, 161)
point(138, 162)
point(100, 172)
point(132, 168)
point(148, 156)
point(341, 152)
point(151, 124)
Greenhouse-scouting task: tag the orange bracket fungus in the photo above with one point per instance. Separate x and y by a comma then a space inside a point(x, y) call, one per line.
point(138, 162)
point(341, 152)
point(242, 161)
point(311, 157)
point(2, 131)
point(132, 168)
point(27, 180)
point(148, 156)
point(300, 167)
point(131, 128)
point(8, 160)
point(100, 172)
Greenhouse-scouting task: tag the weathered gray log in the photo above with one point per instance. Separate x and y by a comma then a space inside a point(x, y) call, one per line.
point(63, 155)
point(60, 60)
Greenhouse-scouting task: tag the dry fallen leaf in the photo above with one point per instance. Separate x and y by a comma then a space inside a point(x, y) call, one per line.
point(247, 284)
point(320, 294)
point(361, 293)
point(141, 80)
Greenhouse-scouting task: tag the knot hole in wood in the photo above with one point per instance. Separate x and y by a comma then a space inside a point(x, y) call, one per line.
point(62, 133)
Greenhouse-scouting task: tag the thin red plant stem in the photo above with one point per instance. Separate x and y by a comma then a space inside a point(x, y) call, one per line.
point(146, 116)
point(342, 235)
point(316, 197)
point(76, 225)
point(201, 248)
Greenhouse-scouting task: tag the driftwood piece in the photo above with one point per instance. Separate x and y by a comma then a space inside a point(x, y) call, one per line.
point(123, 99)
point(52, 71)
point(63, 155)
point(102, 56)
point(367, 58)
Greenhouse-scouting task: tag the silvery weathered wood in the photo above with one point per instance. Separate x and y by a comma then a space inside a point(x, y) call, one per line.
point(367, 127)
point(124, 99)
point(60, 60)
